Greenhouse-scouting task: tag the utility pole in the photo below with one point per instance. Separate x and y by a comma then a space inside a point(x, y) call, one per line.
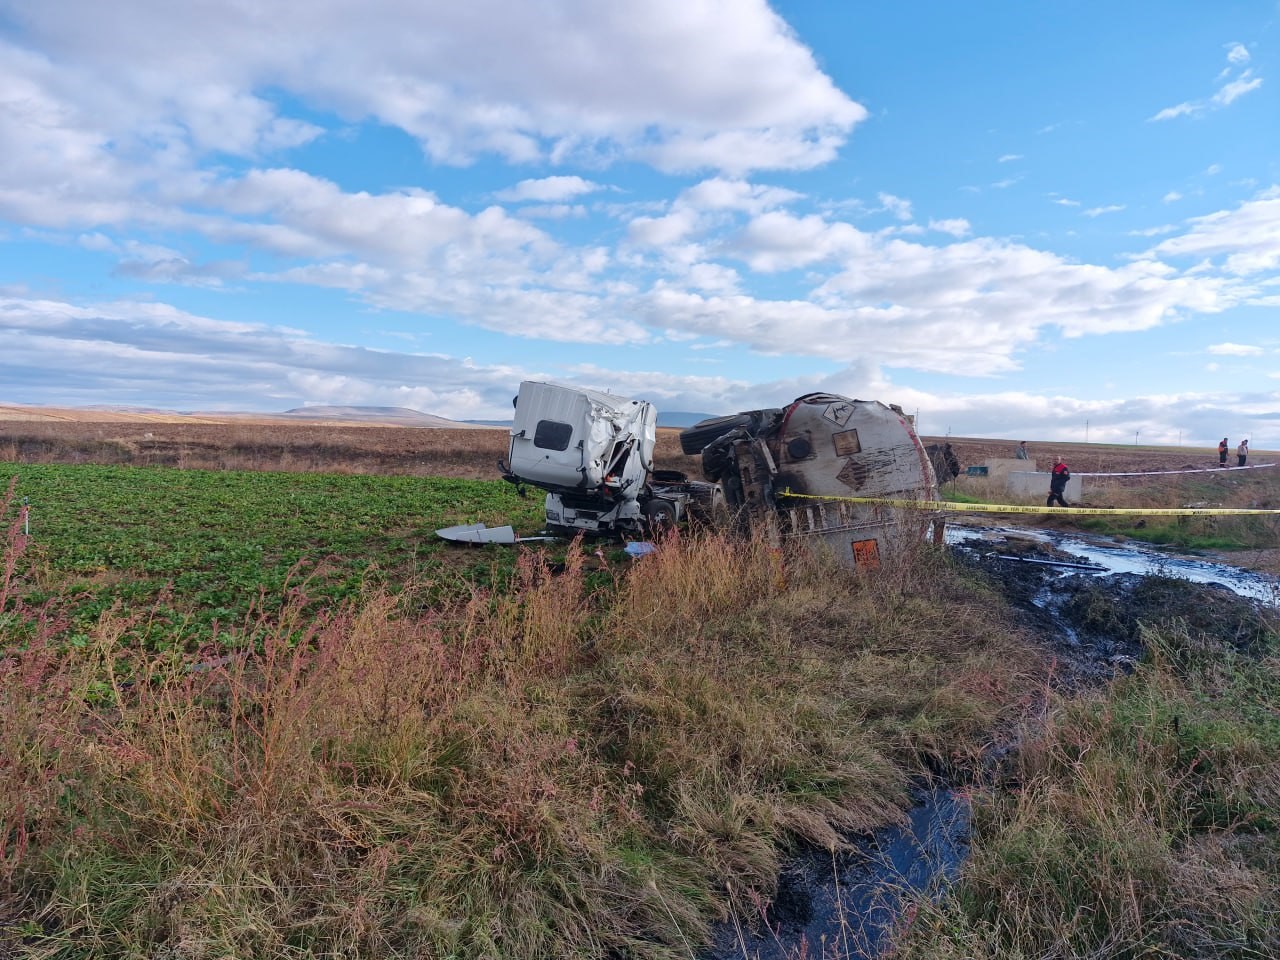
point(1086, 431)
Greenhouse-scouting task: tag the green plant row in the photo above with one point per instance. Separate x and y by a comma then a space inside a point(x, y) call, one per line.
point(187, 550)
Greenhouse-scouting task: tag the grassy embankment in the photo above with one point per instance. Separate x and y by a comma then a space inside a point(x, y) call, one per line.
point(558, 761)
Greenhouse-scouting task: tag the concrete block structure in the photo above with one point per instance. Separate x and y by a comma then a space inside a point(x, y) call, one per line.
point(1027, 483)
point(998, 468)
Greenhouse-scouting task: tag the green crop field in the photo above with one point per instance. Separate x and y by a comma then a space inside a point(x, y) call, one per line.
point(194, 548)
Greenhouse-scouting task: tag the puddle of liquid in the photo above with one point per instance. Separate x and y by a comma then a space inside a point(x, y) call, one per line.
point(1111, 557)
point(850, 904)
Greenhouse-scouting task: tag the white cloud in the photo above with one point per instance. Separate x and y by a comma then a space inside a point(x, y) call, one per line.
point(152, 353)
point(552, 211)
point(1009, 158)
point(1184, 109)
point(1154, 231)
point(1173, 196)
point(957, 227)
point(1230, 92)
point(1099, 211)
point(900, 208)
point(661, 81)
point(549, 189)
point(1247, 239)
point(1235, 350)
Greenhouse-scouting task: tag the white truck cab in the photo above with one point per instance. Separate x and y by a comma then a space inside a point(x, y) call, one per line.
point(593, 454)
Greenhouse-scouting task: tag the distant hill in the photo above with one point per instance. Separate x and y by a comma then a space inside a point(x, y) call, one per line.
point(399, 416)
point(321, 413)
point(675, 419)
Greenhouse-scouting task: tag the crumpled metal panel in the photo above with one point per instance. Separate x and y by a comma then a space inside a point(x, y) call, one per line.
point(611, 444)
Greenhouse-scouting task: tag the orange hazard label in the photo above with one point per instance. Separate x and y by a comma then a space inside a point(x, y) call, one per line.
point(866, 554)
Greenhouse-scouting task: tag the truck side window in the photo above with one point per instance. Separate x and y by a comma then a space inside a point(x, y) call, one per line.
point(551, 435)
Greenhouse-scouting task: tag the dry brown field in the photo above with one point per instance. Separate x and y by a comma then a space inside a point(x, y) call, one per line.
point(42, 435)
point(244, 442)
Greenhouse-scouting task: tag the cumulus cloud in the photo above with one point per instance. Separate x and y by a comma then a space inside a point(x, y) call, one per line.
point(57, 353)
point(202, 146)
point(662, 81)
point(549, 189)
point(1244, 241)
point(1235, 350)
point(898, 207)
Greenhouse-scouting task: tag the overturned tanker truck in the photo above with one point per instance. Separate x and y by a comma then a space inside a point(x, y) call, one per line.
point(794, 471)
point(775, 473)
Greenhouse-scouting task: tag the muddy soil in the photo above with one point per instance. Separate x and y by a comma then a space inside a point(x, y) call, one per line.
point(1091, 618)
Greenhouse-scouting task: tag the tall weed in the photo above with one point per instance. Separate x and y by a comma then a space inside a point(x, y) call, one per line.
point(546, 770)
point(1138, 821)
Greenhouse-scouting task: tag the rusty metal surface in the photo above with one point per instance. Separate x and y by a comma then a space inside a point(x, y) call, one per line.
point(837, 447)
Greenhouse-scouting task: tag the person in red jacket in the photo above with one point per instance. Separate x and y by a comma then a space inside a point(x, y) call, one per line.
point(1058, 483)
point(1222, 453)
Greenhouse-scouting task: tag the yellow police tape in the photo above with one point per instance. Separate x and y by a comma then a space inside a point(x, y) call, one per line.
point(949, 507)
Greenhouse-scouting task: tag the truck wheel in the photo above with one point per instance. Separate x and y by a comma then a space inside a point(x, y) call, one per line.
point(693, 439)
point(660, 515)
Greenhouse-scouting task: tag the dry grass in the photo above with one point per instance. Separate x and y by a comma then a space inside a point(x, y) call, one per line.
point(1137, 821)
point(549, 771)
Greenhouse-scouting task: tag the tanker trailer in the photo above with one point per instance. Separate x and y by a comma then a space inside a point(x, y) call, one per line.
point(824, 449)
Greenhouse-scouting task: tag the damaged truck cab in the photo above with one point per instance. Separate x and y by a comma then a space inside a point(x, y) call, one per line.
point(593, 454)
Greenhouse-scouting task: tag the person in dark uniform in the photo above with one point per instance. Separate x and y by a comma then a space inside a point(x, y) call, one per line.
point(1222, 453)
point(1058, 483)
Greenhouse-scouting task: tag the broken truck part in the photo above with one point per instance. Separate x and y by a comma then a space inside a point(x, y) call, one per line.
point(828, 448)
point(593, 454)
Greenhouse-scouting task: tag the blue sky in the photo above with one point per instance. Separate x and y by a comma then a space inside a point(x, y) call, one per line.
point(1039, 221)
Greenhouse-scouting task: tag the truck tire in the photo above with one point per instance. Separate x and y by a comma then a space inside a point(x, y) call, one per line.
point(660, 515)
point(693, 439)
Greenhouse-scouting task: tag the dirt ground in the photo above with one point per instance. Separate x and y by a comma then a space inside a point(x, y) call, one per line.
point(1088, 457)
point(67, 435)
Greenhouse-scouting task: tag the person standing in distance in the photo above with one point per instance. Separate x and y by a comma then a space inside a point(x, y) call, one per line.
point(1058, 483)
point(1222, 453)
point(1021, 452)
point(1242, 453)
